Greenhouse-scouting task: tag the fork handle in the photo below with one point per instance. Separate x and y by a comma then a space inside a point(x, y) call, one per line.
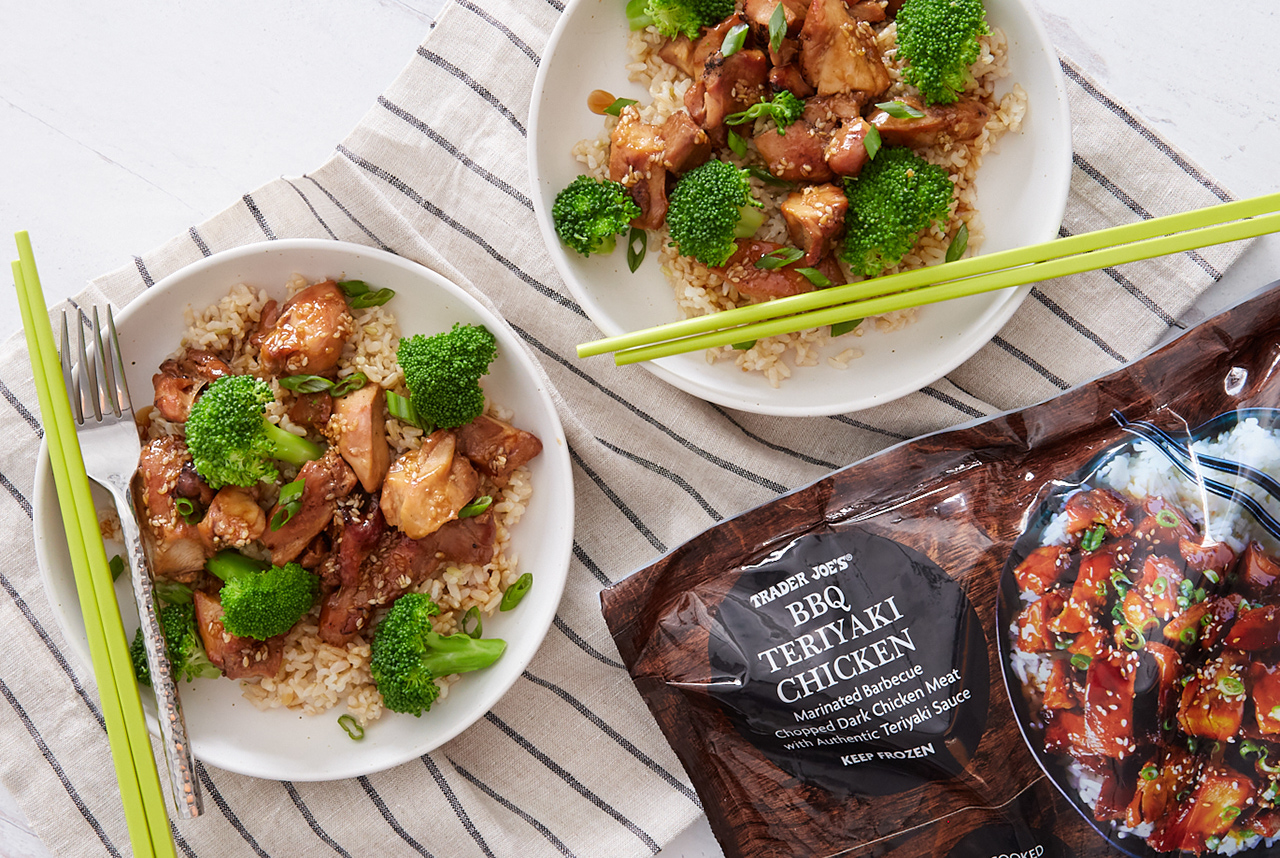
point(173, 727)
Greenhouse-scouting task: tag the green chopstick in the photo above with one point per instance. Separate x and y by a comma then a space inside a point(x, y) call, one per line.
point(663, 340)
point(127, 735)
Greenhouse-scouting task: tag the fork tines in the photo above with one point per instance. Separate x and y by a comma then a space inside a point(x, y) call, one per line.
point(113, 393)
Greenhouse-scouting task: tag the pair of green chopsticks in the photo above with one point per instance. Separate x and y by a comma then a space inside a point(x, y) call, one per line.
point(144, 803)
point(1086, 252)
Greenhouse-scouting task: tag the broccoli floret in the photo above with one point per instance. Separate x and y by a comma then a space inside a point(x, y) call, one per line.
point(590, 214)
point(784, 109)
point(233, 443)
point(407, 655)
point(443, 373)
point(939, 41)
point(672, 18)
point(261, 601)
point(710, 207)
point(187, 658)
point(896, 195)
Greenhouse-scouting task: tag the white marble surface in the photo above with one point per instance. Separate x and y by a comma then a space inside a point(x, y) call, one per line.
point(124, 123)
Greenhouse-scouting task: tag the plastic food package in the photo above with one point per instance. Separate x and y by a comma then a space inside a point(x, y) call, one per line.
point(1052, 632)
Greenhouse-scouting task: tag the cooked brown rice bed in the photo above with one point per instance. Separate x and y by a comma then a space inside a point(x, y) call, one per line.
point(317, 676)
point(699, 291)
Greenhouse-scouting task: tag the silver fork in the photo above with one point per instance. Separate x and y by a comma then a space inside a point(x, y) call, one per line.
point(109, 442)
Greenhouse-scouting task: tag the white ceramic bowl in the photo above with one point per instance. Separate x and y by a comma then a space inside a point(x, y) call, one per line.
point(1022, 192)
point(225, 729)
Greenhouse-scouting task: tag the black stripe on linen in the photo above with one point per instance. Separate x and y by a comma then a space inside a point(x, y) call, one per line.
point(537, 826)
point(556, 4)
point(731, 467)
point(458, 809)
point(312, 208)
point(581, 643)
point(476, 87)
point(23, 412)
point(58, 657)
point(382, 245)
point(573, 782)
point(389, 817)
point(617, 501)
point(227, 812)
point(436, 211)
point(858, 424)
point(777, 448)
point(933, 393)
point(462, 158)
point(311, 819)
point(52, 760)
point(1146, 133)
point(500, 27)
point(198, 240)
point(680, 481)
point(613, 734)
point(1137, 208)
point(1018, 353)
point(258, 216)
point(142, 270)
point(1075, 324)
point(1141, 296)
point(591, 565)
point(17, 496)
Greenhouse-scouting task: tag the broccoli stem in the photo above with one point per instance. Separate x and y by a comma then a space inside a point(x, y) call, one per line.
point(752, 219)
point(229, 565)
point(289, 447)
point(460, 653)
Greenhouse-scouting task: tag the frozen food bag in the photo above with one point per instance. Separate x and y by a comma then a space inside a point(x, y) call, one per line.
point(1055, 632)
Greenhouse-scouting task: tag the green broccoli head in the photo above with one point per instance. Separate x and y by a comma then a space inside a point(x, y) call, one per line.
point(187, 657)
point(261, 601)
point(710, 207)
point(407, 655)
point(232, 442)
point(896, 195)
point(674, 18)
point(939, 41)
point(443, 373)
point(590, 214)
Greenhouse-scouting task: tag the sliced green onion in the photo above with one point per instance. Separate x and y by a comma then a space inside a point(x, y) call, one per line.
point(1229, 813)
point(777, 27)
point(320, 384)
point(172, 592)
point(1061, 643)
point(1149, 773)
point(1192, 744)
point(1275, 713)
point(1093, 538)
point(351, 726)
point(871, 142)
point(187, 509)
point(764, 175)
point(818, 279)
point(1167, 518)
point(1185, 586)
point(401, 408)
point(1213, 576)
point(1188, 636)
point(958, 244)
point(839, 329)
point(116, 565)
point(476, 507)
point(637, 247)
point(737, 145)
point(1160, 585)
point(1199, 596)
point(360, 296)
point(289, 502)
point(899, 110)
point(1230, 686)
point(778, 258)
point(1251, 750)
point(1132, 638)
point(1080, 661)
point(734, 40)
point(516, 592)
point(743, 347)
point(619, 104)
point(1213, 842)
point(1118, 577)
point(472, 624)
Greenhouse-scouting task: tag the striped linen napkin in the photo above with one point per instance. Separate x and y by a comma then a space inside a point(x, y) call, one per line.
point(569, 762)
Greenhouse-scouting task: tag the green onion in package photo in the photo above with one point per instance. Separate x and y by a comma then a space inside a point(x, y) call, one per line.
point(1055, 632)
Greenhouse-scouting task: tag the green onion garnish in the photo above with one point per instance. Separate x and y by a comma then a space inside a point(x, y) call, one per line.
point(476, 507)
point(116, 565)
point(1230, 686)
point(289, 502)
point(1185, 586)
point(1229, 813)
point(1080, 661)
point(899, 110)
point(777, 27)
point(743, 347)
point(618, 105)
point(360, 296)
point(958, 244)
point(472, 624)
point(1149, 773)
point(351, 726)
point(402, 409)
point(778, 258)
point(637, 247)
point(1160, 584)
point(1167, 518)
point(818, 279)
point(734, 40)
point(839, 329)
point(516, 592)
point(1188, 636)
point(320, 384)
point(1093, 538)
point(871, 142)
point(1131, 637)
point(1213, 576)
point(172, 592)
point(737, 145)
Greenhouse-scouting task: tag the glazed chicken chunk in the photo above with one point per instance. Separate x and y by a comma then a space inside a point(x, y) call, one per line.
point(173, 544)
point(309, 333)
point(427, 487)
